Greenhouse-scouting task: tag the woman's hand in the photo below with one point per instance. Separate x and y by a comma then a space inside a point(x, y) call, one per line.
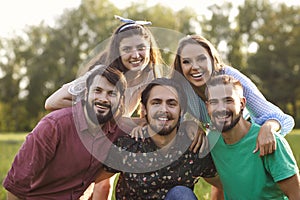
point(196, 133)
point(266, 142)
point(138, 132)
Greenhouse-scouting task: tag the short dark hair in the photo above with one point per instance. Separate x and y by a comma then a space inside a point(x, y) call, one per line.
point(113, 75)
point(224, 80)
point(172, 82)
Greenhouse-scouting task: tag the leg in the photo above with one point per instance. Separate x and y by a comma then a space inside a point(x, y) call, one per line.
point(181, 193)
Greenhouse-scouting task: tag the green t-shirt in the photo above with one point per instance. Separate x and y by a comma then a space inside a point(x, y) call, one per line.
point(246, 175)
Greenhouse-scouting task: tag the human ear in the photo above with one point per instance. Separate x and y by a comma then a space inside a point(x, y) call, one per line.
point(243, 103)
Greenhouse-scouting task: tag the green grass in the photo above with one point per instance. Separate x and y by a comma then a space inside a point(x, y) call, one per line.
point(12, 137)
point(294, 141)
point(10, 143)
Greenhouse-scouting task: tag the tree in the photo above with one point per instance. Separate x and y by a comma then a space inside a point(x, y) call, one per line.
point(276, 62)
point(37, 63)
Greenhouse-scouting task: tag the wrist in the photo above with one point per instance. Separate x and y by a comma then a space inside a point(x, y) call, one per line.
point(272, 124)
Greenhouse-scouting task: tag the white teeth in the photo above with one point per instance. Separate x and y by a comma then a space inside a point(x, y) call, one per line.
point(101, 107)
point(135, 62)
point(163, 118)
point(197, 75)
point(222, 116)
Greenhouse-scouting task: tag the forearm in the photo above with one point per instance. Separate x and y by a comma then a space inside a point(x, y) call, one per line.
point(262, 112)
point(272, 125)
point(280, 122)
point(291, 187)
point(260, 109)
point(59, 99)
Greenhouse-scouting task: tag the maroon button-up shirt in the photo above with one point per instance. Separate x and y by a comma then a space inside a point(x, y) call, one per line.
point(60, 157)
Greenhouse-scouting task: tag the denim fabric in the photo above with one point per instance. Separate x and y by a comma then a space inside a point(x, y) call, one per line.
point(181, 193)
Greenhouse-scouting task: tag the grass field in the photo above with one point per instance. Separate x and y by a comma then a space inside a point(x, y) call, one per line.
point(10, 143)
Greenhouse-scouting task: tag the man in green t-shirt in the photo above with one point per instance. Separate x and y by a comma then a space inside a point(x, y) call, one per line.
point(244, 174)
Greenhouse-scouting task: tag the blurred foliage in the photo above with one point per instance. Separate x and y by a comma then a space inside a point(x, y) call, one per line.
point(258, 38)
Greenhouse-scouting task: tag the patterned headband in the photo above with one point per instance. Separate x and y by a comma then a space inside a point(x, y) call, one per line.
point(130, 22)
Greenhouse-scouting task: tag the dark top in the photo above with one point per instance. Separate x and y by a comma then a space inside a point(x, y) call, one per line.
point(148, 173)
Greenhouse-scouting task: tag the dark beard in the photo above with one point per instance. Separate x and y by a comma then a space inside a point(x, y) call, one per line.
point(98, 118)
point(162, 131)
point(224, 128)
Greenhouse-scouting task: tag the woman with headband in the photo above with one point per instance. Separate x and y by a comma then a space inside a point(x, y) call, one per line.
point(132, 50)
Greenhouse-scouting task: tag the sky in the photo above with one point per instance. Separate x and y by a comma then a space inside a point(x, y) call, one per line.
point(17, 14)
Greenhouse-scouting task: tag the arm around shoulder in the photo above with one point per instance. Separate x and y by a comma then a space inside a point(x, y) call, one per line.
point(61, 98)
point(259, 107)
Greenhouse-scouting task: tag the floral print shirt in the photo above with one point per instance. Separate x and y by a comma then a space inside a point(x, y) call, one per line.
point(148, 172)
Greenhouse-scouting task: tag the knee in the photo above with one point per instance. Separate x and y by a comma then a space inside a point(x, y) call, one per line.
point(180, 192)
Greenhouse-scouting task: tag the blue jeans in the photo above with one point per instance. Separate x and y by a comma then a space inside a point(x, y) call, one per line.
point(181, 193)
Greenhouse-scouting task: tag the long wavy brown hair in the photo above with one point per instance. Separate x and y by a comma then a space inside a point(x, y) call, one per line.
point(217, 63)
point(127, 30)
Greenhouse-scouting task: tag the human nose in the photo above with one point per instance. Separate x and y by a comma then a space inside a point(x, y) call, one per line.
point(164, 107)
point(221, 106)
point(135, 53)
point(103, 97)
point(195, 65)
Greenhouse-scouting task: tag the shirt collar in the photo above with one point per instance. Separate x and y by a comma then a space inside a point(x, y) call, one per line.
point(79, 117)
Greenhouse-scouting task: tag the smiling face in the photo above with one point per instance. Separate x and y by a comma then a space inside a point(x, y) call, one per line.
point(135, 52)
point(224, 106)
point(196, 64)
point(102, 100)
point(163, 109)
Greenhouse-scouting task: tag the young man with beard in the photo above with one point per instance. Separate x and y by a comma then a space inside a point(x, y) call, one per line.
point(244, 174)
point(64, 152)
point(150, 168)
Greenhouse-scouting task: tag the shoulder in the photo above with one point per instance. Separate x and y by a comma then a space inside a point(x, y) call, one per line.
point(255, 127)
point(59, 115)
point(229, 70)
point(281, 141)
point(125, 142)
point(54, 121)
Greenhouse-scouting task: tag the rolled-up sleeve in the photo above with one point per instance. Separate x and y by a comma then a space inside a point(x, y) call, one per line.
point(259, 108)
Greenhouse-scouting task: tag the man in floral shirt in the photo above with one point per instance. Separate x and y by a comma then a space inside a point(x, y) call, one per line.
point(151, 167)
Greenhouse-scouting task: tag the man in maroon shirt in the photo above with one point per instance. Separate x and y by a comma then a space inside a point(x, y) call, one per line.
point(63, 154)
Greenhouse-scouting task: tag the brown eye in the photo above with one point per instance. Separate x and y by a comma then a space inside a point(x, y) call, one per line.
point(185, 62)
